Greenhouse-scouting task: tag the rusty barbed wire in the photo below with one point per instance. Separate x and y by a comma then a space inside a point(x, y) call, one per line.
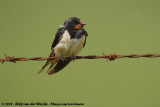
point(107, 57)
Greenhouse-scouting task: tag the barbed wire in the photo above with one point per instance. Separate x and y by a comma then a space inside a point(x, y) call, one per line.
point(107, 57)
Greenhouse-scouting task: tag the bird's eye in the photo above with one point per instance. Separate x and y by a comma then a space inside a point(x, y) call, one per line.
point(76, 22)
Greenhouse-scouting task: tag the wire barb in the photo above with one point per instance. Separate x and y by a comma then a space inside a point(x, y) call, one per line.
point(7, 58)
point(110, 57)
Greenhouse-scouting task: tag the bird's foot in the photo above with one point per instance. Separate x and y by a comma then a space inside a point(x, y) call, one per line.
point(62, 58)
point(73, 57)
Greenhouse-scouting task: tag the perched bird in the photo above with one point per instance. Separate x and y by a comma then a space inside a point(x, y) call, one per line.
point(68, 42)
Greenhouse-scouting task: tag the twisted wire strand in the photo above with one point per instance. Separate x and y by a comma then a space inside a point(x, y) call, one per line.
point(107, 57)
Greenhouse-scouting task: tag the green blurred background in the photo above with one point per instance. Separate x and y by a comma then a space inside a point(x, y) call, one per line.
point(27, 29)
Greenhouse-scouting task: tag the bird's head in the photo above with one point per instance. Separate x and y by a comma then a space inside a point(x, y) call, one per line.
point(74, 23)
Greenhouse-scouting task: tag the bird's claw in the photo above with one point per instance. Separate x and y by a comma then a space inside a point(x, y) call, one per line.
point(73, 57)
point(62, 58)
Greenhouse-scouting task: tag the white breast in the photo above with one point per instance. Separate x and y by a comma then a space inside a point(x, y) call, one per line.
point(68, 47)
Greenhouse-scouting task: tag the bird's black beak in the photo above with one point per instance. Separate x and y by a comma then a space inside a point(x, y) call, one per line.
point(83, 24)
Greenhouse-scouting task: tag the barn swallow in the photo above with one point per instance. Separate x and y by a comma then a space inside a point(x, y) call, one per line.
point(68, 42)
